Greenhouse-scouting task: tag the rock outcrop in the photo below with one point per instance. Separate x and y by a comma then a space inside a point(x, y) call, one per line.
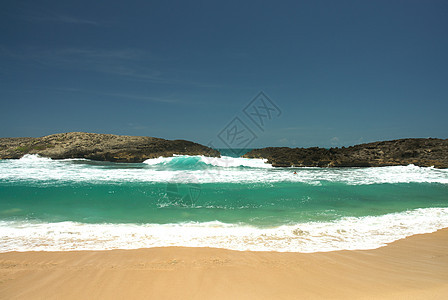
point(420, 152)
point(102, 147)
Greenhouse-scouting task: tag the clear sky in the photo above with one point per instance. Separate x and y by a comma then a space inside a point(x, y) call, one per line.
point(340, 72)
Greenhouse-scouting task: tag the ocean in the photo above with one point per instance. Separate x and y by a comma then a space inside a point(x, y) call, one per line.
point(228, 202)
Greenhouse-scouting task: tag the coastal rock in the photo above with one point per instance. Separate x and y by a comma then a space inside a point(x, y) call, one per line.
point(420, 152)
point(102, 147)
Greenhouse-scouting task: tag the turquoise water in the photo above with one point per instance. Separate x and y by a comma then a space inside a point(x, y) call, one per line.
point(230, 203)
point(255, 204)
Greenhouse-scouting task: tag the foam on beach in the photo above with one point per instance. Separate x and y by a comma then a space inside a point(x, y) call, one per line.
point(230, 203)
point(348, 233)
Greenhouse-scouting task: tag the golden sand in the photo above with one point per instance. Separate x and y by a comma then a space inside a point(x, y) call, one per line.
point(413, 268)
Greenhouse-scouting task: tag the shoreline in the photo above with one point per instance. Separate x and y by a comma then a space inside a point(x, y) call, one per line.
point(414, 267)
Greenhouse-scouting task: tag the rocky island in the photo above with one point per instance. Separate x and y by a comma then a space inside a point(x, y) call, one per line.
point(102, 147)
point(121, 148)
point(420, 152)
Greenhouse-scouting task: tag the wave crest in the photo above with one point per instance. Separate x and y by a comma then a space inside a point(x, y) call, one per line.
point(32, 168)
point(200, 160)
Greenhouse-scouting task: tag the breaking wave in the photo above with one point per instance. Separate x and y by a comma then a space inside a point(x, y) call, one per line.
point(205, 170)
point(349, 233)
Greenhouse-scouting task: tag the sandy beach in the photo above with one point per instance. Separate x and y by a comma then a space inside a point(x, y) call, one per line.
point(413, 268)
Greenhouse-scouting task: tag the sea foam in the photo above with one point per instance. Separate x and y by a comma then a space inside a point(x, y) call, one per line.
point(201, 169)
point(348, 233)
point(223, 161)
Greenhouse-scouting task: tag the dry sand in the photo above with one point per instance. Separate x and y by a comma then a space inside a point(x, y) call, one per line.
point(413, 268)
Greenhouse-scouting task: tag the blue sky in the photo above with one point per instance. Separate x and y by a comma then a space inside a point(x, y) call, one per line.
point(340, 72)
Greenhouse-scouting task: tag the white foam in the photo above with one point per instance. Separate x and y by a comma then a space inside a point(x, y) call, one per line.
point(345, 234)
point(33, 158)
point(227, 161)
point(223, 161)
point(159, 160)
point(37, 169)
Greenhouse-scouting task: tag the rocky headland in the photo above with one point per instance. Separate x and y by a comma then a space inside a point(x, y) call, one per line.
point(121, 148)
point(101, 147)
point(420, 152)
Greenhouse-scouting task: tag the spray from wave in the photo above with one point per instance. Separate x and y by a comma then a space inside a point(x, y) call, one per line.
point(223, 161)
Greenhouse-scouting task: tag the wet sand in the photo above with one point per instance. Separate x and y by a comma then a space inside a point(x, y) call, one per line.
point(413, 268)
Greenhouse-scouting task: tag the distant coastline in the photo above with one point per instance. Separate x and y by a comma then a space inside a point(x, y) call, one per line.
point(424, 152)
point(101, 147)
point(418, 151)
